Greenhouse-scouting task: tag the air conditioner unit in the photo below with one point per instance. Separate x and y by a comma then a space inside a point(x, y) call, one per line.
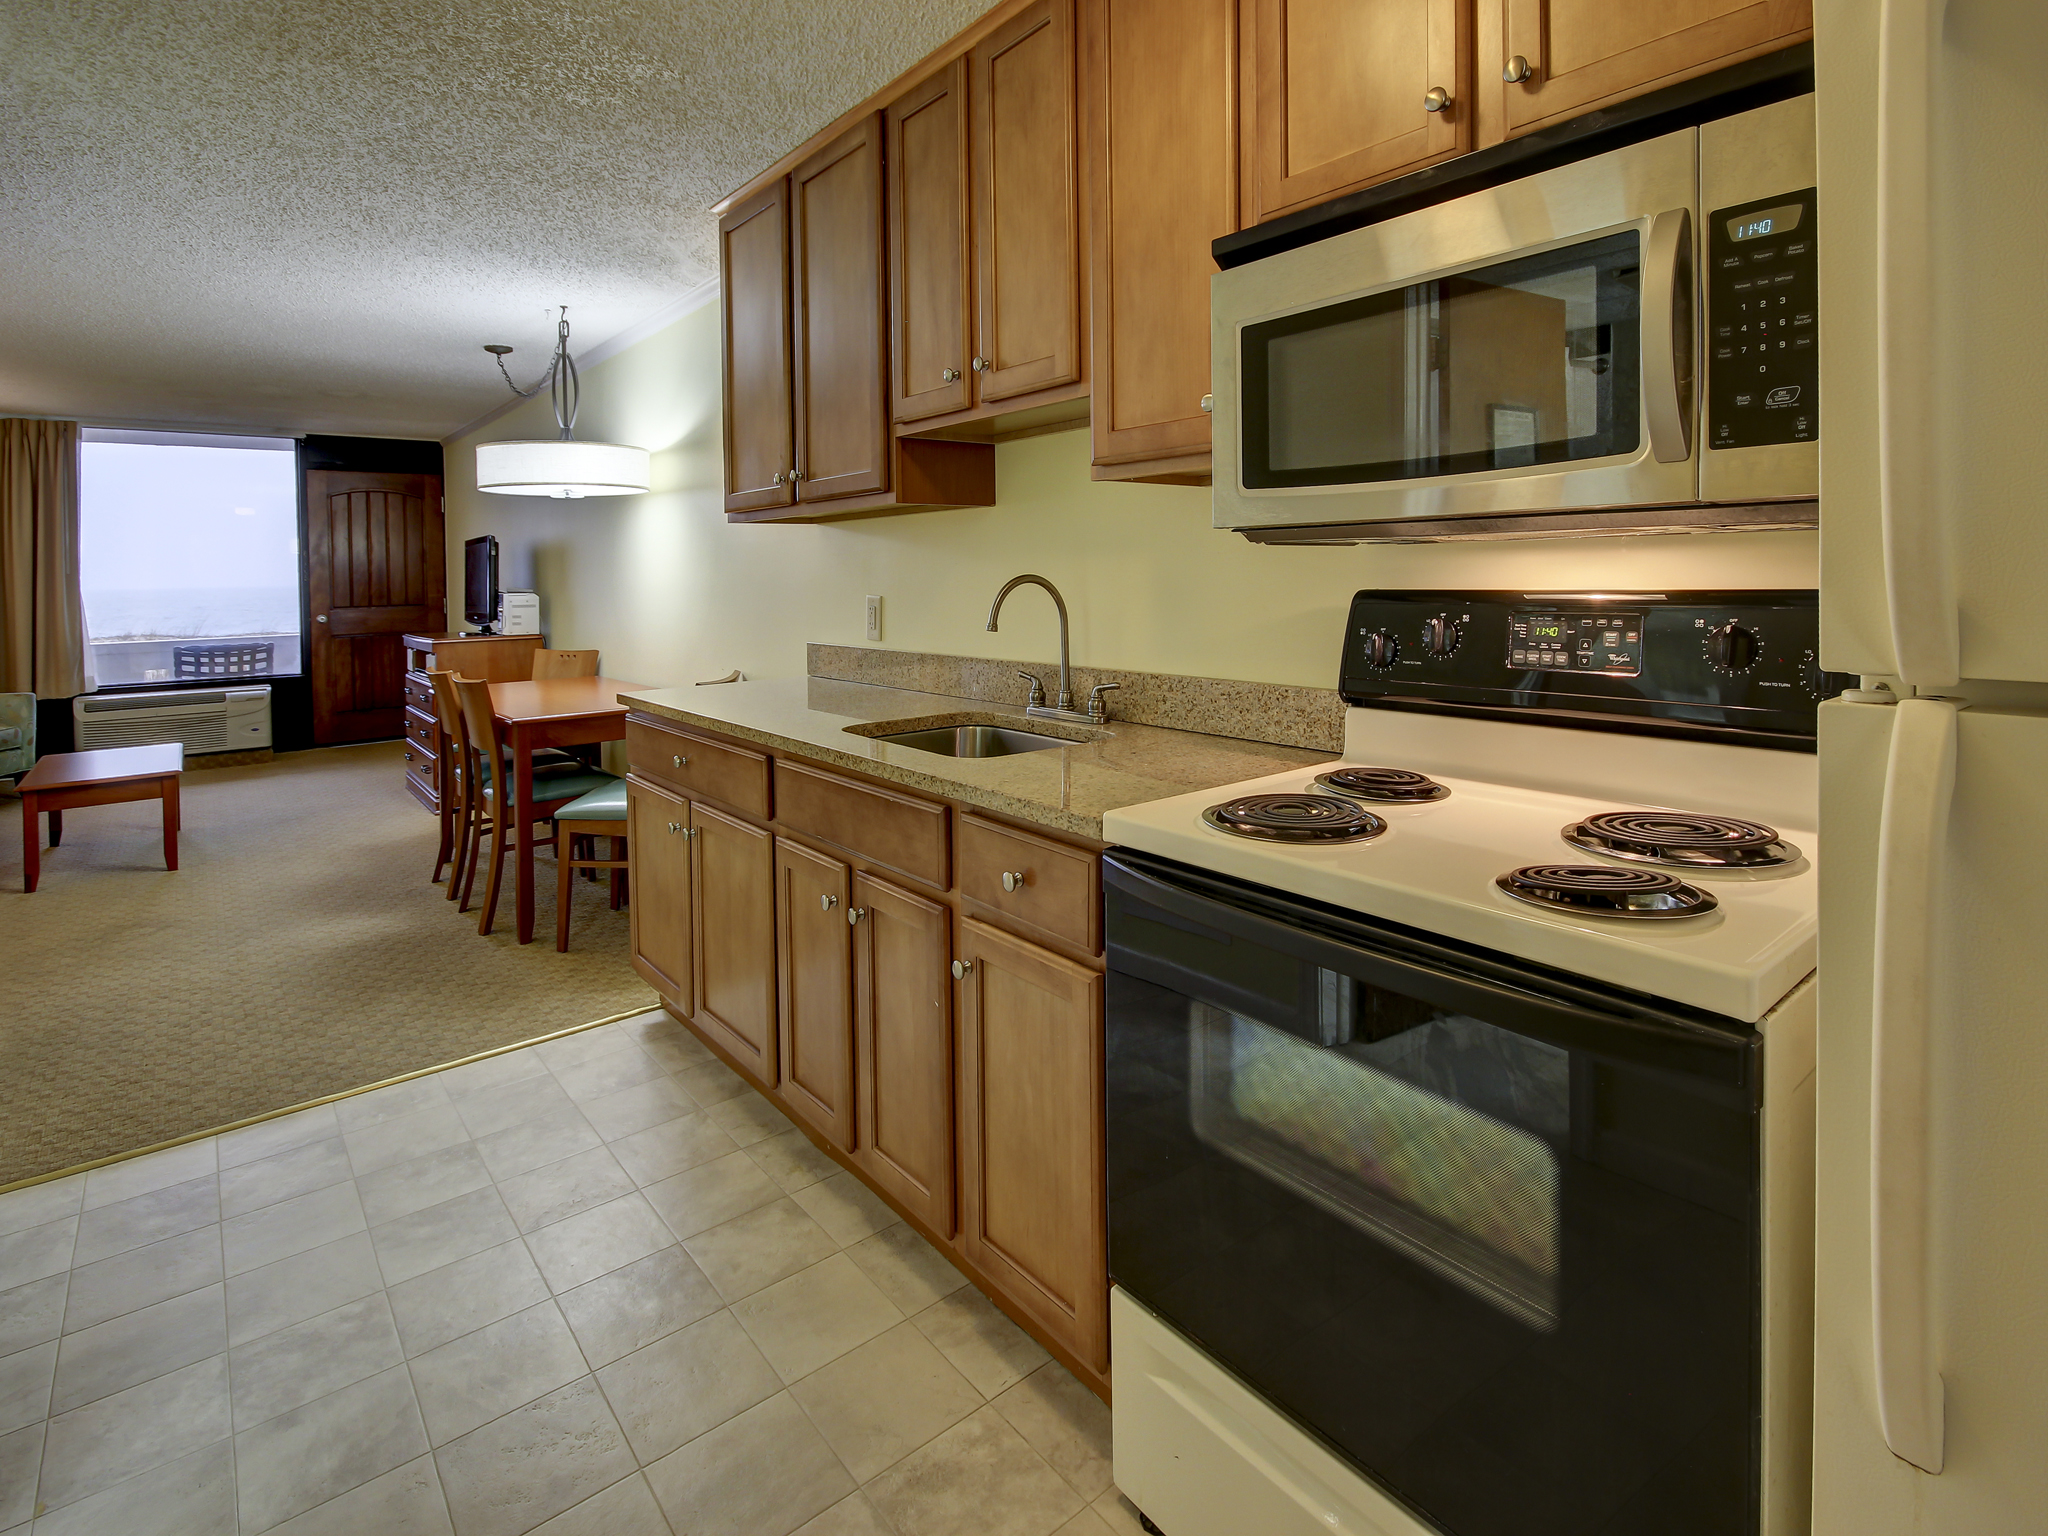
point(225, 720)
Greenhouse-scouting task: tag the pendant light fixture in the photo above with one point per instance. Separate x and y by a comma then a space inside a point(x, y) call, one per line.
point(560, 466)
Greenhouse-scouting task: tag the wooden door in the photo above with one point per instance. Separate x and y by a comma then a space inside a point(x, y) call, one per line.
point(1026, 214)
point(753, 255)
point(903, 1015)
point(733, 886)
point(1583, 54)
point(836, 277)
point(1339, 91)
point(1031, 1160)
point(656, 822)
point(1162, 176)
point(929, 252)
point(376, 567)
point(814, 976)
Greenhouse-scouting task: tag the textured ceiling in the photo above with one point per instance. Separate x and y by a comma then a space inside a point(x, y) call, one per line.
point(309, 215)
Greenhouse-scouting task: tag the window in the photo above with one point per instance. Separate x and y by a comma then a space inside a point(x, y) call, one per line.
point(189, 556)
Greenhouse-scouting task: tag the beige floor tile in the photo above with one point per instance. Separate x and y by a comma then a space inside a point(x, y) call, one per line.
point(445, 1303)
point(846, 1208)
point(25, 1386)
point(110, 1229)
point(710, 1081)
point(31, 1313)
point(295, 1365)
point(261, 1301)
point(791, 1161)
point(596, 1242)
point(493, 1072)
point(142, 1277)
point(505, 1365)
point(703, 1197)
point(607, 1074)
point(192, 1496)
point(750, 1252)
point(40, 1204)
point(585, 1044)
point(157, 1170)
point(638, 1303)
point(290, 1226)
point(713, 1486)
point(979, 1478)
point(35, 1252)
point(267, 1138)
point(546, 1138)
point(879, 1402)
point(441, 1234)
point(406, 1501)
point(495, 1109)
point(21, 1454)
point(815, 1316)
point(130, 1432)
point(405, 1137)
point(1086, 1523)
point(851, 1516)
point(984, 1346)
point(397, 1191)
point(295, 1171)
point(300, 1460)
point(910, 1271)
point(661, 1151)
point(748, 1118)
point(557, 1190)
point(689, 1382)
point(637, 1108)
point(1119, 1514)
point(535, 1462)
point(627, 1508)
point(133, 1348)
point(362, 1110)
point(1065, 1423)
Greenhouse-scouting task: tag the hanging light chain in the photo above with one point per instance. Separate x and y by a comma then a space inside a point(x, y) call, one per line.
point(563, 383)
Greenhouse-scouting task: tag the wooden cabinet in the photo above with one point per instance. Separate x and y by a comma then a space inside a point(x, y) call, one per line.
point(1160, 82)
point(1050, 888)
point(930, 252)
point(753, 251)
point(814, 921)
point(1583, 54)
point(1340, 94)
point(429, 755)
point(733, 896)
point(1032, 1178)
point(662, 907)
point(904, 1028)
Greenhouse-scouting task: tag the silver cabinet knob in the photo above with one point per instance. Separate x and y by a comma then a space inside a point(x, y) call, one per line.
point(1435, 99)
point(679, 760)
point(795, 475)
point(827, 903)
point(981, 364)
point(952, 374)
point(674, 827)
point(781, 478)
point(1208, 403)
point(1013, 879)
point(962, 969)
point(408, 757)
point(854, 915)
point(689, 834)
point(1518, 70)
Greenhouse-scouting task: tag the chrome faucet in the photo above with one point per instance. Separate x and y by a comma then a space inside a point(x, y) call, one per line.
point(1062, 707)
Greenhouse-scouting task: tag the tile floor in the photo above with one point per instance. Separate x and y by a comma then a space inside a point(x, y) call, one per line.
point(597, 1287)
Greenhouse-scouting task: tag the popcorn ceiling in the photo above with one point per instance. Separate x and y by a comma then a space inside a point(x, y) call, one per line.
point(309, 215)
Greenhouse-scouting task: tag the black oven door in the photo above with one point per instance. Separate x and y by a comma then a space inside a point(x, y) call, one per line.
point(1488, 1232)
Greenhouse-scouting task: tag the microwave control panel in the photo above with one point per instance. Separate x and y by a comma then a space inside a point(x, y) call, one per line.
point(1763, 350)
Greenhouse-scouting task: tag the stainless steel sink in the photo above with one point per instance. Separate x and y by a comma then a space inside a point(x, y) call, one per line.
point(974, 741)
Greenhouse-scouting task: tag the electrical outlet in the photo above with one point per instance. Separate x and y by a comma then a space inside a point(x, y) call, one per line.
point(874, 617)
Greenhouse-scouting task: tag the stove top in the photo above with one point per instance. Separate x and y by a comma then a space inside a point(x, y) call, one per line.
point(1302, 818)
point(1399, 785)
point(1602, 890)
point(1682, 840)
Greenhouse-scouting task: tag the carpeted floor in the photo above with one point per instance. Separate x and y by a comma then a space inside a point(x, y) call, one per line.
point(300, 951)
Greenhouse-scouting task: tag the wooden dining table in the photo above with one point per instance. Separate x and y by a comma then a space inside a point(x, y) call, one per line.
point(558, 712)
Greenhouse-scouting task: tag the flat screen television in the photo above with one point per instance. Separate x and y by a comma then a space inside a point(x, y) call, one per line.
point(480, 581)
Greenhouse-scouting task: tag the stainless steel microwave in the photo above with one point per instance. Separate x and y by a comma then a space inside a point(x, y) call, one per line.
point(1632, 333)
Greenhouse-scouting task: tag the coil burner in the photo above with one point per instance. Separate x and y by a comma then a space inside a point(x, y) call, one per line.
point(1681, 840)
point(1295, 819)
point(1398, 785)
point(1601, 890)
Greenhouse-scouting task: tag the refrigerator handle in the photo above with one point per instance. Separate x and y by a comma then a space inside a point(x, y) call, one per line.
point(1918, 785)
point(1919, 589)
point(1667, 336)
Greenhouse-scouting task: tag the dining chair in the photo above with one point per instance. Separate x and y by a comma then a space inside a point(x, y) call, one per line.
point(552, 664)
point(456, 811)
point(554, 787)
point(578, 825)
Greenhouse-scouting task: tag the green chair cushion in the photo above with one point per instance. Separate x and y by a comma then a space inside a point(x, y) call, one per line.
point(550, 787)
point(605, 804)
point(548, 770)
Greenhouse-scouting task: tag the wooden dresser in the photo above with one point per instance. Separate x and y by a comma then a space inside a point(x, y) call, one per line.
point(493, 658)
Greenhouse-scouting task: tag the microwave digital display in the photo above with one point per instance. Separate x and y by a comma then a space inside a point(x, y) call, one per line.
point(1769, 221)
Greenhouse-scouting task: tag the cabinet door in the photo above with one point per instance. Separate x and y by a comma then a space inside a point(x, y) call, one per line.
point(1026, 219)
point(929, 310)
point(1339, 90)
point(1584, 54)
point(734, 887)
point(904, 1022)
point(836, 276)
point(661, 905)
point(1031, 1159)
point(753, 255)
point(1162, 175)
point(814, 975)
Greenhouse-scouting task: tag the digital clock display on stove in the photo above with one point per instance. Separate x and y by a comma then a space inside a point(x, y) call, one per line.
point(1607, 643)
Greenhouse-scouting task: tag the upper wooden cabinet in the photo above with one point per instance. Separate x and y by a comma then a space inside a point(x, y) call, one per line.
point(1583, 54)
point(1160, 78)
point(930, 251)
point(753, 250)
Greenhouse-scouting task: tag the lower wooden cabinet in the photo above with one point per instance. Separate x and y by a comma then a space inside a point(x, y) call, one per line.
point(656, 824)
point(733, 894)
point(814, 971)
point(903, 1011)
point(1032, 1197)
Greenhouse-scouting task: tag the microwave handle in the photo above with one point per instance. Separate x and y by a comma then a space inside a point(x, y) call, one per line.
point(1667, 336)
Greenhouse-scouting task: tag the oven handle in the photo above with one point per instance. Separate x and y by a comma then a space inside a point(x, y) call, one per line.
point(1919, 783)
point(1667, 336)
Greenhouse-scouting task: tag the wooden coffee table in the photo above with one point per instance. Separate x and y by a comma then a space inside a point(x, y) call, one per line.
point(63, 781)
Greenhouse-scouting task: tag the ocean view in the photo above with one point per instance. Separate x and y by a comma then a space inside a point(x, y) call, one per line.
point(179, 613)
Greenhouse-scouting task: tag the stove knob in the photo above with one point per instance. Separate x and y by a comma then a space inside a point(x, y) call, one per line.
point(1731, 648)
point(1440, 637)
point(1381, 650)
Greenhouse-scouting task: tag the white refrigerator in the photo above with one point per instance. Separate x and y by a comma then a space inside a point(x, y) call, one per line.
point(1931, 1331)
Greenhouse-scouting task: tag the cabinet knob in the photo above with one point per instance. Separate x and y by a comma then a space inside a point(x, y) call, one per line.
point(1518, 70)
point(1013, 879)
point(1208, 403)
point(689, 834)
point(962, 969)
point(795, 475)
point(408, 757)
point(679, 760)
point(951, 375)
point(1435, 99)
point(674, 827)
point(781, 478)
point(981, 365)
point(827, 903)
point(854, 915)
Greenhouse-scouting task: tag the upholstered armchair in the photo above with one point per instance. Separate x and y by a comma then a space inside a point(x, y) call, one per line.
point(17, 733)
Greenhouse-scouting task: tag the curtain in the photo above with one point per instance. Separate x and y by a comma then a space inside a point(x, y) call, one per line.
point(42, 618)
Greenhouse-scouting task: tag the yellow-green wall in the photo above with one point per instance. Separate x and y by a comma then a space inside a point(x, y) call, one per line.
point(672, 593)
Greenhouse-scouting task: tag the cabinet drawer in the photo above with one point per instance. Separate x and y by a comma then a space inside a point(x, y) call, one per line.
point(421, 731)
point(694, 766)
point(422, 790)
point(1058, 890)
point(895, 830)
point(419, 693)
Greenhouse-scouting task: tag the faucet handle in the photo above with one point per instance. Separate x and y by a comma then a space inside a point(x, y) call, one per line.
point(1098, 706)
point(1037, 699)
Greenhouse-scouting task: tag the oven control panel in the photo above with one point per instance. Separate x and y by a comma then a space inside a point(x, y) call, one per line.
point(1763, 323)
point(1722, 665)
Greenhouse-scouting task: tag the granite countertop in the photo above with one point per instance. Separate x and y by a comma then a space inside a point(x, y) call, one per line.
point(1067, 789)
